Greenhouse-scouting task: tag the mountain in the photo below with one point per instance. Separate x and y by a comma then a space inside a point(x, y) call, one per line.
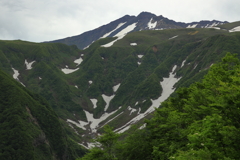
point(29, 128)
point(126, 24)
point(117, 80)
point(199, 122)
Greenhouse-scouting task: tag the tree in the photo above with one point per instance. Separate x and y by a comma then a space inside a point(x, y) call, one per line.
point(104, 146)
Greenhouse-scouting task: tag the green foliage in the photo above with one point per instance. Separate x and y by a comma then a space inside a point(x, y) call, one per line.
point(201, 120)
point(106, 149)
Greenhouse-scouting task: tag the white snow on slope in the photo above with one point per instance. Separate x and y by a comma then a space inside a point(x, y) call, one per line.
point(88, 45)
point(236, 29)
point(15, 76)
point(133, 44)
point(107, 99)
point(195, 66)
point(212, 25)
point(152, 25)
point(173, 37)
point(121, 34)
point(83, 146)
point(107, 34)
point(216, 28)
point(167, 86)
point(140, 56)
point(143, 126)
point(94, 102)
point(136, 103)
point(28, 65)
point(192, 26)
point(90, 82)
point(131, 109)
point(67, 70)
point(95, 122)
point(115, 88)
point(81, 124)
point(78, 61)
point(111, 43)
point(183, 62)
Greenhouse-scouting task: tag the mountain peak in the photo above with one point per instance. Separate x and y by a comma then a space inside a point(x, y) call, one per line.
point(122, 26)
point(146, 15)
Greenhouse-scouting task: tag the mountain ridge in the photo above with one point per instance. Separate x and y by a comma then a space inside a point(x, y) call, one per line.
point(143, 21)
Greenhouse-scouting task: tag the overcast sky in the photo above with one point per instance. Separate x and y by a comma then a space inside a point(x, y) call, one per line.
point(44, 20)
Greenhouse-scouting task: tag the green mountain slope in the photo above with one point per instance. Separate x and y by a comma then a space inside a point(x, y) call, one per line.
point(118, 85)
point(200, 122)
point(29, 128)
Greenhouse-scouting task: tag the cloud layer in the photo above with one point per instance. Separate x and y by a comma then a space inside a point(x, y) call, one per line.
point(44, 20)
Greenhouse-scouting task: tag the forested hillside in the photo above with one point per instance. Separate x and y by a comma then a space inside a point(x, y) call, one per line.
point(29, 128)
point(199, 122)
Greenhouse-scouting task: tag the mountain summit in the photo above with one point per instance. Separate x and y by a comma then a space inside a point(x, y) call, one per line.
point(126, 24)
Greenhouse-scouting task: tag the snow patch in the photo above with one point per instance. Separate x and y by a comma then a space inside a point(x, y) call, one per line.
point(140, 56)
point(107, 99)
point(90, 82)
point(15, 76)
point(143, 126)
point(107, 34)
point(94, 102)
point(115, 88)
point(139, 111)
point(131, 109)
point(236, 29)
point(139, 63)
point(152, 25)
point(81, 124)
point(95, 122)
point(76, 86)
point(195, 66)
point(167, 86)
point(88, 45)
point(78, 61)
point(216, 28)
point(68, 71)
point(183, 62)
point(192, 26)
point(83, 146)
point(121, 34)
point(133, 44)
point(173, 37)
point(29, 65)
point(136, 103)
